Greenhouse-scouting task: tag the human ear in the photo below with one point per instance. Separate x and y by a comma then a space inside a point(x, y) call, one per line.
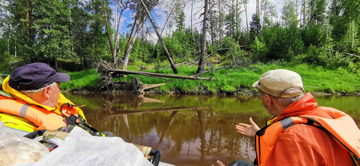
point(46, 92)
point(268, 99)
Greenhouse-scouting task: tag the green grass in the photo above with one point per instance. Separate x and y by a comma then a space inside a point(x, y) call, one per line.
point(81, 79)
point(315, 78)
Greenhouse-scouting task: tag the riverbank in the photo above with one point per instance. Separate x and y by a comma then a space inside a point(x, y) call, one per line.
point(231, 81)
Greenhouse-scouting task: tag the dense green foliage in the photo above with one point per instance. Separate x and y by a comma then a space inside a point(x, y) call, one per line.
point(321, 38)
point(48, 30)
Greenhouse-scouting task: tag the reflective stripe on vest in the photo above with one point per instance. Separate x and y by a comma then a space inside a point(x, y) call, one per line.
point(23, 110)
point(40, 117)
point(266, 138)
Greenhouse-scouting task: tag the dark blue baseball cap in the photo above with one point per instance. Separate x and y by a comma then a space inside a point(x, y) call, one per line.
point(35, 76)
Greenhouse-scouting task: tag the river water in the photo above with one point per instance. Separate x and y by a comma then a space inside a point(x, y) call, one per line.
point(188, 130)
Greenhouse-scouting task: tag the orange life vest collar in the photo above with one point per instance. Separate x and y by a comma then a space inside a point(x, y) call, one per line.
point(341, 128)
point(40, 117)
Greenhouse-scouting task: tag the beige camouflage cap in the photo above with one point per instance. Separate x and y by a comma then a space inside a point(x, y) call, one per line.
point(274, 82)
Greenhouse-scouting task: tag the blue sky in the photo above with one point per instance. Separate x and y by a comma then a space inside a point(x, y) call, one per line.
point(127, 19)
point(160, 17)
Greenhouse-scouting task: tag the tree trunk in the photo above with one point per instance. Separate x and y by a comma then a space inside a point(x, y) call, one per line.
point(28, 17)
point(296, 8)
point(232, 29)
point(116, 54)
point(191, 15)
point(160, 39)
point(129, 47)
point(258, 8)
point(119, 71)
point(8, 44)
point(264, 11)
point(132, 38)
point(353, 33)
point(246, 15)
point(203, 41)
point(167, 19)
point(237, 22)
point(220, 21)
point(304, 13)
point(107, 28)
point(115, 35)
point(55, 63)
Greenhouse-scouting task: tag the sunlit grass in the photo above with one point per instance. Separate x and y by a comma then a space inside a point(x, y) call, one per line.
point(81, 79)
point(315, 78)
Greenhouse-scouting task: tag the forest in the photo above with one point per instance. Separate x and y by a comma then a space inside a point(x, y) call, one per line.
point(74, 35)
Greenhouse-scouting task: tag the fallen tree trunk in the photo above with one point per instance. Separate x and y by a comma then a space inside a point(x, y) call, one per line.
point(150, 86)
point(119, 71)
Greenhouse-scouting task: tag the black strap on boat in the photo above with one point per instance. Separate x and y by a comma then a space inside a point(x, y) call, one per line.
point(156, 156)
point(71, 120)
point(35, 134)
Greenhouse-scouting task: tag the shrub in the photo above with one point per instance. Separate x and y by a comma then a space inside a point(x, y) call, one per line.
point(259, 49)
point(234, 56)
point(327, 59)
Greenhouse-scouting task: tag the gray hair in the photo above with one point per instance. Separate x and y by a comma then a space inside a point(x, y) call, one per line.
point(286, 101)
point(52, 85)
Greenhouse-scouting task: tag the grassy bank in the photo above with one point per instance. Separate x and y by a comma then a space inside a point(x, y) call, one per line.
point(234, 80)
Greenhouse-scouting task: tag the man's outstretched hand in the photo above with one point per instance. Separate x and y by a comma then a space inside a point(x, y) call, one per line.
point(219, 163)
point(247, 129)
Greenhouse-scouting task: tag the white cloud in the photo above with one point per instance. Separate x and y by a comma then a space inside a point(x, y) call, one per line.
point(198, 8)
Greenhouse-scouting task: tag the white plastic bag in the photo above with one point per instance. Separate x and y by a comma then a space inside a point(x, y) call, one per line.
point(82, 149)
point(15, 149)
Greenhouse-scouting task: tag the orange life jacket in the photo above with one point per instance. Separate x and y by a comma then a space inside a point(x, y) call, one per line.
point(40, 117)
point(341, 128)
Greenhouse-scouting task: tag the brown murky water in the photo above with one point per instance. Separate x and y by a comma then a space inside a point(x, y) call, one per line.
point(188, 130)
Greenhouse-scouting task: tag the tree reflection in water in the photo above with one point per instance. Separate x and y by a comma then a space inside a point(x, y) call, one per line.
point(188, 130)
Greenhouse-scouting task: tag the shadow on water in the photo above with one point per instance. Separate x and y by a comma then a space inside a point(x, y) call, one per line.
point(188, 130)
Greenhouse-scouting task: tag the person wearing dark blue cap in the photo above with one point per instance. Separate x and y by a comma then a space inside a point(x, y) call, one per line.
point(34, 99)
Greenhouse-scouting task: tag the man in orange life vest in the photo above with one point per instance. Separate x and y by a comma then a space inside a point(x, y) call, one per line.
point(300, 132)
point(31, 99)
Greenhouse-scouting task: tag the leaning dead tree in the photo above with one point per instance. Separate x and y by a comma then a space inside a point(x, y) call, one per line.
point(139, 19)
point(203, 41)
point(123, 5)
point(160, 39)
point(132, 37)
point(129, 44)
point(107, 28)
